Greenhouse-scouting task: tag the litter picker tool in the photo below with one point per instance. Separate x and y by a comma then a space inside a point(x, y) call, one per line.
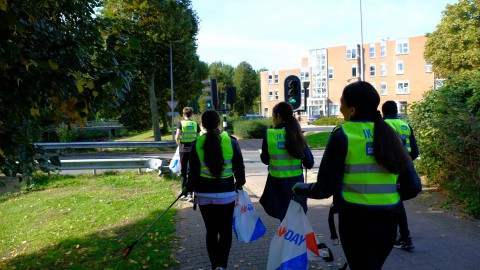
point(126, 251)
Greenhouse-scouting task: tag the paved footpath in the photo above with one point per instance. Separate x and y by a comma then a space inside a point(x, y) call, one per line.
point(442, 240)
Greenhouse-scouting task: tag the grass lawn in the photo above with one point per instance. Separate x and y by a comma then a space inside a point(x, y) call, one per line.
point(147, 136)
point(317, 139)
point(81, 222)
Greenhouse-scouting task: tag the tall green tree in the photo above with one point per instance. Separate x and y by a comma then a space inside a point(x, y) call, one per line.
point(223, 73)
point(247, 83)
point(161, 27)
point(54, 67)
point(454, 46)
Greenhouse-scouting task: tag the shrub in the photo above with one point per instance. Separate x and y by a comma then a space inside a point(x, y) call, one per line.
point(231, 121)
point(328, 121)
point(251, 129)
point(447, 127)
point(65, 134)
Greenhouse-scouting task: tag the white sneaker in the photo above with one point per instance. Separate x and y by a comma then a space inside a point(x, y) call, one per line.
point(190, 199)
point(183, 197)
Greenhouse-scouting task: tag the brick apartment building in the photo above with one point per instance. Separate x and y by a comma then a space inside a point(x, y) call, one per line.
point(396, 68)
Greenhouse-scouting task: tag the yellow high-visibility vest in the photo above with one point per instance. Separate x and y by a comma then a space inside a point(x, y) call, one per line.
point(189, 131)
point(282, 164)
point(365, 182)
point(403, 130)
point(227, 152)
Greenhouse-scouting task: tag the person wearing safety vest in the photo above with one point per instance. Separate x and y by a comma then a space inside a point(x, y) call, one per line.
point(187, 133)
point(362, 164)
point(405, 132)
point(285, 151)
point(216, 171)
point(403, 129)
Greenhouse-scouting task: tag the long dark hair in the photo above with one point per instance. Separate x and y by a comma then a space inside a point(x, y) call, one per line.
point(388, 148)
point(295, 142)
point(212, 149)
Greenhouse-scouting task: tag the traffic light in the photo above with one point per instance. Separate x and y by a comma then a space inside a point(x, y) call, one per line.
point(231, 95)
point(212, 98)
point(293, 91)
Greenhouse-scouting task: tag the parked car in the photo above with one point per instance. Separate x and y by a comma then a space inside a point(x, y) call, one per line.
point(252, 116)
point(312, 118)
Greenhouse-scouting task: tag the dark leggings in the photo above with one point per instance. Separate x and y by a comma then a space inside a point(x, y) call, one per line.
point(218, 222)
point(402, 222)
point(184, 157)
point(367, 237)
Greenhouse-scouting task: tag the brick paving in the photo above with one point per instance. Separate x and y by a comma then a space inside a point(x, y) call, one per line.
point(443, 241)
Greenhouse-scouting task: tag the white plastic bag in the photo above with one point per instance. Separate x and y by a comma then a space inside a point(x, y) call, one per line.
point(247, 224)
point(175, 165)
point(294, 243)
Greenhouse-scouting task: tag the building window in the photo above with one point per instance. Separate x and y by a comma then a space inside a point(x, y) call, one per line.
point(438, 83)
point(374, 85)
point(304, 76)
point(383, 69)
point(428, 67)
point(270, 95)
point(372, 50)
point(276, 78)
point(403, 87)
point(333, 108)
point(383, 88)
point(352, 53)
point(400, 67)
point(276, 95)
point(402, 46)
point(330, 73)
point(354, 71)
point(270, 79)
point(383, 49)
point(265, 112)
point(373, 70)
point(402, 108)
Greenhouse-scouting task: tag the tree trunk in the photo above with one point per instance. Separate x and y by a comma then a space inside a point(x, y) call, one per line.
point(157, 135)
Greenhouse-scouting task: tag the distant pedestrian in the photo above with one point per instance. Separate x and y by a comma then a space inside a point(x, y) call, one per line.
point(285, 151)
point(216, 171)
point(405, 131)
point(362, 163)
point(187, 133)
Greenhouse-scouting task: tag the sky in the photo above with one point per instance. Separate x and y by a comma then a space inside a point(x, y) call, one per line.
point(276, 34)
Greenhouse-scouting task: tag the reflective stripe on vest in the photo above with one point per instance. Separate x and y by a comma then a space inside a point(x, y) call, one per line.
point(282, 164)
point(403, 130)
point(227, 152)
point(189, 131)
point(366, 182)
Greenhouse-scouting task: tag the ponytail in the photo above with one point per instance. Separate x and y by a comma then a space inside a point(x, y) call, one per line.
point(212, 148)
point(388, 148)
point(295, 142)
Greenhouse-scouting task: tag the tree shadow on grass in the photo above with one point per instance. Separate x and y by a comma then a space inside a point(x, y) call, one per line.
point(101, 250)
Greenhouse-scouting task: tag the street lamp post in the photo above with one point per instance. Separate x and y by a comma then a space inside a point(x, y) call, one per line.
point(171, 92)
point(362, 68)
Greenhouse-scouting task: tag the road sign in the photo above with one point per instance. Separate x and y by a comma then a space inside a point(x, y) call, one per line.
point(174, 114)
point(173, 104)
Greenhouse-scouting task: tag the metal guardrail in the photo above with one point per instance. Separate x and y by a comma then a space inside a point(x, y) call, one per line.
point(124, 163)
point(117, 163)
point(104, 145)
point(94, 126)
